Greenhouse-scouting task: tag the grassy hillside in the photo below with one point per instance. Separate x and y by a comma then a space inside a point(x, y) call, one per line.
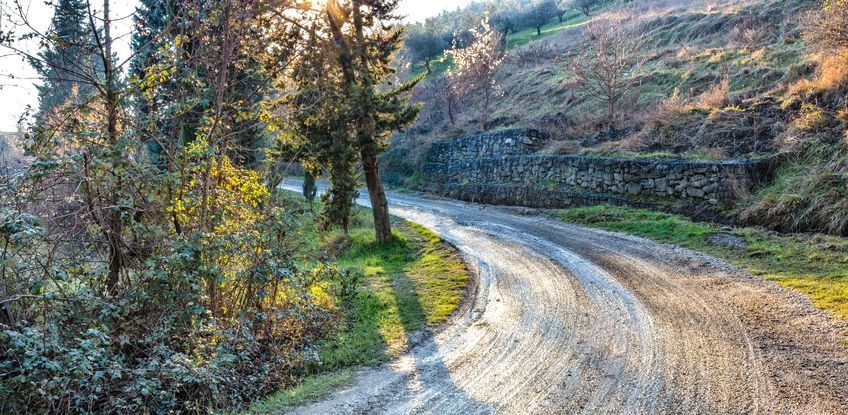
point(717, 79)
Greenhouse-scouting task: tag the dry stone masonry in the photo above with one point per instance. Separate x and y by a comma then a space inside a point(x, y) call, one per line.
point(499, 168)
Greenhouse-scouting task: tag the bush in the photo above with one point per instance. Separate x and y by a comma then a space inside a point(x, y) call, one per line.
point(156, 349)
point(205, 320)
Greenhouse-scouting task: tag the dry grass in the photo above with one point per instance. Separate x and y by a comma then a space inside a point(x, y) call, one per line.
point(717, 96)
point(832, 74)
point(561, 147)
point(810, 192)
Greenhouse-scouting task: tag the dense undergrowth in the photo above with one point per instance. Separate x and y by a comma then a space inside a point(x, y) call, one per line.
point(324, 303)
point(390, 294)
point(206, 320)
point(815, 265)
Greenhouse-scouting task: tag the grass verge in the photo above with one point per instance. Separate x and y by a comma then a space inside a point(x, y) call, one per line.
point(413, 283)
point(814, 265)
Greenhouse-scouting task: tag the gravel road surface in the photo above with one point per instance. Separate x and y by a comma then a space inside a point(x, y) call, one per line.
point(569, 320)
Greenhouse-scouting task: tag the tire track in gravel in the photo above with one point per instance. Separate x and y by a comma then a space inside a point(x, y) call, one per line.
point(568, 320)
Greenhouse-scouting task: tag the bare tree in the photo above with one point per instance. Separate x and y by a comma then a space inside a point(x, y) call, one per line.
point(440, 95)
point(507, 21)
point(562, 9)
point(584, 6)
point(475, 65)
point(608, 67)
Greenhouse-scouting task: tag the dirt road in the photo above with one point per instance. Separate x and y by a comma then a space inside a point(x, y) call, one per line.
point(568, 320)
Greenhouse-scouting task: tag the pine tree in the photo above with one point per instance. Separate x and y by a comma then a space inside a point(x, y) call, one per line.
point(320, 121)
point(150, 21)
point(365, 37)
point(66, 63)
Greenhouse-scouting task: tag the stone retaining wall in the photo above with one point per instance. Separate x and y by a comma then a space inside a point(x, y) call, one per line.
point(513, 142)
point(562, 181)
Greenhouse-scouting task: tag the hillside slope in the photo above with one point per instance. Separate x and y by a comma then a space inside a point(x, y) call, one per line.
point(715, 79)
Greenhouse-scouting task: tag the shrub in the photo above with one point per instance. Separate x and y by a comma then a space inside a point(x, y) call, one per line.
point(207, 319)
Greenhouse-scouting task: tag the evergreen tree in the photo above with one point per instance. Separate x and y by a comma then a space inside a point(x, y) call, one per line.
point(150, 21)
point(320, 122)
point(175, 79)
point(248, 89)
point(66, 65)
point(364, 38)
point(310, 189)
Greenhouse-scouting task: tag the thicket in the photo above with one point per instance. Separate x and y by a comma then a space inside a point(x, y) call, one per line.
point(147, 262)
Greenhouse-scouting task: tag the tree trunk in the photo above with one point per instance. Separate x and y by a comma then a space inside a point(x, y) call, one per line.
point(6, 316)
point(539, 31)
point(450, 111)
point(114, 223)
point(427, 64)
point(379, 204)
point(484, 117)
point(116, 254)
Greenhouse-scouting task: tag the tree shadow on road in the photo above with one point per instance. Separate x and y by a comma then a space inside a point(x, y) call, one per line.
point(431, 384)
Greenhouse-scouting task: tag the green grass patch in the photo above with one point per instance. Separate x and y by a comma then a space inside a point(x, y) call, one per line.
point(438, 67)
point(814, 265)
point(525, 36)
point(412, 283)
point(311, 388)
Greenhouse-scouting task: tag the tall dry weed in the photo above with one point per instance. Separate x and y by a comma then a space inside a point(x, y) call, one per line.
point(717, 96)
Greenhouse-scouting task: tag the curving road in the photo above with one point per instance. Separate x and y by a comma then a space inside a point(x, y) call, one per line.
point(568, 320)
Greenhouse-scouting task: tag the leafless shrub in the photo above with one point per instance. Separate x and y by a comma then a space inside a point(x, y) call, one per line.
point(827, 30)
point(607, 68)
point(747, 33)
point(556, 125)
point(535, 53)
point(440, 100)
point(830, 81)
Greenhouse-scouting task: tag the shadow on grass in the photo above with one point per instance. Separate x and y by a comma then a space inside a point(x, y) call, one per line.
point(390, 315)
point(432, 374)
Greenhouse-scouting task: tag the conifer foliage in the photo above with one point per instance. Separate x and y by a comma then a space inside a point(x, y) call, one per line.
point(345, 105)
point(67, 64)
